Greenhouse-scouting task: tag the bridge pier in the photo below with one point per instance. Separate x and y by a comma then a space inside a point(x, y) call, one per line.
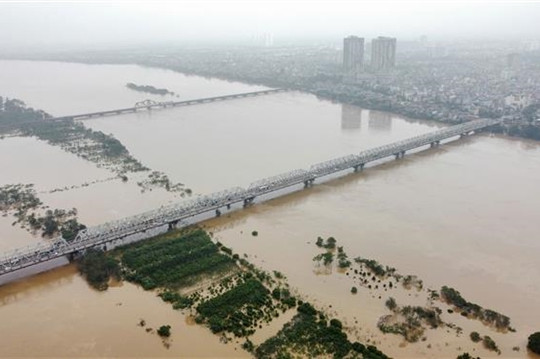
point(228, 206)
point(172, 225)
point(359, 167)
point(218, 213)
point(434, 144)
point(309, 182)
point(399, 155)
point(248, 201)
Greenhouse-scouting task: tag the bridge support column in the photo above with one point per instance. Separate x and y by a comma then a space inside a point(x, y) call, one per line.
point(218, 213)
point(360, 167)
point(172, 225)
point(308, 183)
point(228, 206)
point(248, 201)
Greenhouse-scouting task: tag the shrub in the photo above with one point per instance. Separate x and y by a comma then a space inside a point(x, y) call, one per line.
point(330, 243)
point(466, 356)
point(97, 268)
point(475, 337)
point(254, 233)
point(336, 324)
point(490, 344)
point(164, 331)
point(391, 303)
point(534, 343)
point(354, 290)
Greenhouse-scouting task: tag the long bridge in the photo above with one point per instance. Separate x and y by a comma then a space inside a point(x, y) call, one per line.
point(149, 105)
point(148, 224)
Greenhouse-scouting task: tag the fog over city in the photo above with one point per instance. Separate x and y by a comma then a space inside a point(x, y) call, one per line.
point(103, 22)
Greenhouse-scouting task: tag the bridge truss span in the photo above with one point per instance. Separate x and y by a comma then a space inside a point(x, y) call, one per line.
point(176, 214)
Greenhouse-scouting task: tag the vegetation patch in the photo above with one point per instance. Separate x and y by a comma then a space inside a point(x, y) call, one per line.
point(409, 321)
point(487, 316)
point(237, 305)
point(490, 344)
point(330, 243)
point(158, 179)
point(310, 334)
point(94, 146)
point(104, 150)
point(174, 262)
point(534, 343)
point(22, 201)
point(466, 356)
point(164, 331)
point(238, 310)
point(98, 268)
point(149, 89)
point(327, 258)
point(343, 260)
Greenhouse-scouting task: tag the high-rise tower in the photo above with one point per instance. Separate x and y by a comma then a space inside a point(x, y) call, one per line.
point(383, 53)
point(353, 54)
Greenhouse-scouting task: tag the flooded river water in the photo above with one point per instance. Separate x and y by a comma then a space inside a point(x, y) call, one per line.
point(463, 215)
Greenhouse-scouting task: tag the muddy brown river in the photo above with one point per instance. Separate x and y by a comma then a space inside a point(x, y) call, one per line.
point(463, 215)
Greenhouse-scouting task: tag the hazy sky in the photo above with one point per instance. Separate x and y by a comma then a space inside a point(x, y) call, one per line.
point(87, 23)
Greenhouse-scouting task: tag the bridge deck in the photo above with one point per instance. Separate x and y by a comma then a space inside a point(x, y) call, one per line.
point(169, 104)
point(111, 231)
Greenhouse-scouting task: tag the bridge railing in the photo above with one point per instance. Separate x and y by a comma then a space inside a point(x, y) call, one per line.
point(283, 179)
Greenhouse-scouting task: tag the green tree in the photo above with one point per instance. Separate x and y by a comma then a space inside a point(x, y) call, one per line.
point(466, 356)
point(475, 337)
point(164, 331)
point(70, 228)
point(391, 303)
point(98, 268)
point(330, 243)
point(534, 343)
point(490, 344)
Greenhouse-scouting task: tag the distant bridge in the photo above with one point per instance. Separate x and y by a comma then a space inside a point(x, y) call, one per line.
point(165, 218)
point(150, 104)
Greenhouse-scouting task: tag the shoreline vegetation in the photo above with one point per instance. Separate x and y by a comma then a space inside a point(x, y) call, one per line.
point(150, 89)
point(409, 321)
point(73, 137)
point(30, 213)
point(224, 292)
point(16, 119)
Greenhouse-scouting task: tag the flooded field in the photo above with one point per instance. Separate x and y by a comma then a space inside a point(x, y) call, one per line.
point(463, 215)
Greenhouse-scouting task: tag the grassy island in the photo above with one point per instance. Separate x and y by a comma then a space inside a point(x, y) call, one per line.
point(149, 89)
